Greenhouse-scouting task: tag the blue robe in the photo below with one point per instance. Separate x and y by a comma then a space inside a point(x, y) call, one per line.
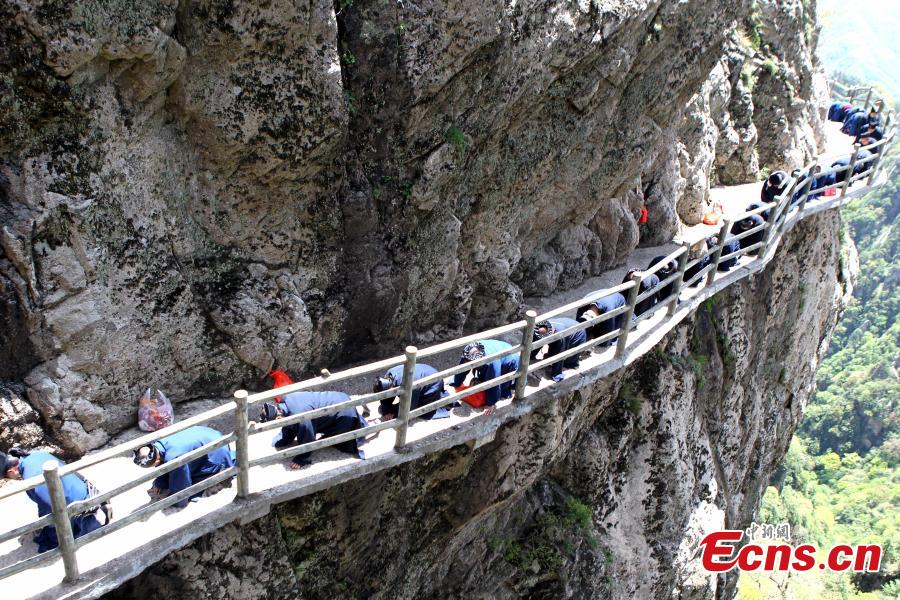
point(834, 111)
point(197, 470)
point(344, 421)
point(855, 123)
point(770, 191)
point(858, 168)
point(74, 488)
point(731, 245)
point(664, 273)
point(420, 396)
point(605, 305)
point(565, 343)
point(647, 284)
point(746, 242)
point(497, 368)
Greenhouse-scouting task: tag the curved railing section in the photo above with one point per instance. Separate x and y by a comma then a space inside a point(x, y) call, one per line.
point(793, 204)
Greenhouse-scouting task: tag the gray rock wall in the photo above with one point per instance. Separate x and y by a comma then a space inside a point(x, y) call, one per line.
point(603, 495)
point(194, 193)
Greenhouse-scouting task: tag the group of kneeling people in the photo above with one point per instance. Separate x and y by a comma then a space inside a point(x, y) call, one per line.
point(19, 464)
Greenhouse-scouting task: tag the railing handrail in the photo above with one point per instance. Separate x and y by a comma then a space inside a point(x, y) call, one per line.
point(785, 207)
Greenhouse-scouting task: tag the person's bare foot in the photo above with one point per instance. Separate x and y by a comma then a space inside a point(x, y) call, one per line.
point(295, 467)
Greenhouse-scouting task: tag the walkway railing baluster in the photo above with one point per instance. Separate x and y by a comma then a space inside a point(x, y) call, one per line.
point(622, 341)
point(849, 172)
point(717, 254)
point(868, 98)
point(679, 281)
point(409, 369)
point(525, 353)
point(241, 442)
point(809, 185)
point(61, 519)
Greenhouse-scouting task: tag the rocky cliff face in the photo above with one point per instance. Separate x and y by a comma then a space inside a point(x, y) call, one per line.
point(604, 494)
point(195, 192)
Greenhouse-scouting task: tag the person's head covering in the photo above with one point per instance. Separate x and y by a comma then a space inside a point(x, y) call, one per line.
point(147, 459)
point(4, 459)
point(473, 351)
point(547, 326)
point(746, 223)
point(777, 178)
point(268, 411)
point(384, 383)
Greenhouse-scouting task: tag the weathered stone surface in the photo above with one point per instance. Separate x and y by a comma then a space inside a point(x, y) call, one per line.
point(604, 494)
point(788, 75)
point(193, 193)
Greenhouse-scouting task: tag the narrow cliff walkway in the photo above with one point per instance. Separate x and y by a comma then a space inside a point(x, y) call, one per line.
point(108, 561)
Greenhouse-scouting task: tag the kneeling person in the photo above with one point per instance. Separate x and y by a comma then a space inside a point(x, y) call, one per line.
point(304, 432)
point(178, 444)
point(389, 407)
point(573, 340)
point(19, 464)
point(491, 370)
point(601, 306)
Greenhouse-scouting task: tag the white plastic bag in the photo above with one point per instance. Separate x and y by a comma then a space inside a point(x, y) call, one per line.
point(154, 411)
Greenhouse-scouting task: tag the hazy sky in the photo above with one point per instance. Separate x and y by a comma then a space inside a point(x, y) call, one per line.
point(863, 39)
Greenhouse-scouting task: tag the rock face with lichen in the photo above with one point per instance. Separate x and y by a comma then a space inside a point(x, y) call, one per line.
point(603, 493)
point(194, 193)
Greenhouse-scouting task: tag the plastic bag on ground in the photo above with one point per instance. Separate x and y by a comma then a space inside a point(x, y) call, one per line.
point(477, 399)
point(154, 411)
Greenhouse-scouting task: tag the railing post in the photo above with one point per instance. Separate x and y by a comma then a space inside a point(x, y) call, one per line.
point(525, 354)
point(868, 98)
point(852, 166)
point(409, 368)
point(679, 281)
point(809, 183)
point(626, 322)
point(61, 519)
point(241, 442)
point(771, 223)
point(714, 260)
point(875, 164)
point(852, 96)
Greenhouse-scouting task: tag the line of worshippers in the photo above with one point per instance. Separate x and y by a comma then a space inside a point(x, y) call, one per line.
point(348, 419)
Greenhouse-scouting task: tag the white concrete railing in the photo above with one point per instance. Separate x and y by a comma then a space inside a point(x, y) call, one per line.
point(793, 201)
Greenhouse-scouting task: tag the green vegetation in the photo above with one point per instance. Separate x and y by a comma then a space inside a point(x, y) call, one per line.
point(770, 67)
point(554, 536)
point(456, 138)
point(348, 58)
point(840, 480)
point(630, 398)
point(753, 28)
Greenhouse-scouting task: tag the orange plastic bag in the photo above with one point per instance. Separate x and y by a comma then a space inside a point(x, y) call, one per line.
point(713, 216)
point(154, 411)
point(280, 379)
point(475, 400)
